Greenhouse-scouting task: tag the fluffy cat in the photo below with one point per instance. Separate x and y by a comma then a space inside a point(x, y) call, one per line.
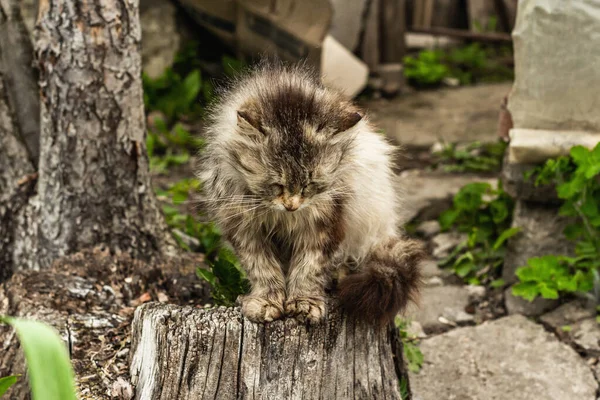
point(301, 185)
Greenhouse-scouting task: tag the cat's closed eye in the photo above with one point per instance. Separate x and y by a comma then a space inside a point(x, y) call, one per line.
point(310, 189)
point(276, 189)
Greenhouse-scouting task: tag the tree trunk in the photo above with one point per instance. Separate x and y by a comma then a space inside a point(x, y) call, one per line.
point(20, 77)
point(93, 182)
point(191, 353)
point(16, 182)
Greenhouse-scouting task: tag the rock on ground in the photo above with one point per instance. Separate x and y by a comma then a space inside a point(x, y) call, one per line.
point(518, 305)
point(441, 308)
point(428, 194)
point(444, 243)
point(515, 184)
point(576, 322)
point(507, 359)
point(567, 314)
point(430, 269)
point(541, 234)
point(423, 118)
point(429, 228)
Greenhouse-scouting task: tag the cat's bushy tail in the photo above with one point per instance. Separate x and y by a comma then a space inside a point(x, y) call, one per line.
point(389, 279)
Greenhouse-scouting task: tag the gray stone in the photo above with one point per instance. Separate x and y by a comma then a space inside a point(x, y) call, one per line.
point(567, 314)
point(541, 234)
point(462, 114)
point(476, 293)
point(518, 305)
point(416, 330)
point(534, 146)
point(430, 269)
point(507, 359)
point(444, 243)
point(553, 88)
point(428, 228)
point(586, 334)
point(427, 194)
point(160, 36)
point(515, 184)
point(440, 308)
point(576, 321)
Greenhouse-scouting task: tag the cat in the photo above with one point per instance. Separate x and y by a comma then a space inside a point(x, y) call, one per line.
point(301, 185)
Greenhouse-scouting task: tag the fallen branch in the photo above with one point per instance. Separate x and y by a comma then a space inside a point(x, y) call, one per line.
point(194, 353)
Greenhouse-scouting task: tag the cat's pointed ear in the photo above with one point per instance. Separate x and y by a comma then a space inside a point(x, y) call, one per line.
point(348, 121)
point(249, 121)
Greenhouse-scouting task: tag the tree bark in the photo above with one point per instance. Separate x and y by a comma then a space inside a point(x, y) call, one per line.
point(20, 76)
point(16, 182)
point(93, 182)
point(191, 353)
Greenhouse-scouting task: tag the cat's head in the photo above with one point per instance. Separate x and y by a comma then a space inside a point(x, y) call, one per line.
point(292, 146)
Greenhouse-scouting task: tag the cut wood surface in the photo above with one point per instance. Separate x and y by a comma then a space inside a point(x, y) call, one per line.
point(199, 353)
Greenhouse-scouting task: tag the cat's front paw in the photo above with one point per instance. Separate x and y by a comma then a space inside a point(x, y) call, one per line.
point(262, 309)
point(306, 309)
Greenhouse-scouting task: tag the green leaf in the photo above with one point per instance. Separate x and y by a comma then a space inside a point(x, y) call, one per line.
point(447, 218)
point(413, 356)
point(498, 283)
point(504, 236)
point(6, 383)
point(527, 290)
point(49, 369)
point(580, 155)
point(547, 292)
point(566, 328)
point(573, 231)
point(465, 264)
point(191, 87)
point(206, 275)
point(470, 197)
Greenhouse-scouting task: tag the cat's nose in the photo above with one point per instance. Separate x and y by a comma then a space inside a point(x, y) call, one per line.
point(292, 203)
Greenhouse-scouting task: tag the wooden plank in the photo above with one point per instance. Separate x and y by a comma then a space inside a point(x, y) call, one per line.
point(418, 12)
point(462, 34)
point(479, 12)
point(369, 48)
point(393, 29)
point(428, 13)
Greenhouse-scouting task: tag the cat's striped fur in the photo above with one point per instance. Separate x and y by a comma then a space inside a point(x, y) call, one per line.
point(301, 185)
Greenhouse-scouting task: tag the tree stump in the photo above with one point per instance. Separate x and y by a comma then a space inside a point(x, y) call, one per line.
point(198, 353)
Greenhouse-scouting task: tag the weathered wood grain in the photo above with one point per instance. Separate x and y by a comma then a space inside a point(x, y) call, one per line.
point(195, 353)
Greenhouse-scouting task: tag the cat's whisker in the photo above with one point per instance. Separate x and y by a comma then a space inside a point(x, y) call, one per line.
point(240, 213)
